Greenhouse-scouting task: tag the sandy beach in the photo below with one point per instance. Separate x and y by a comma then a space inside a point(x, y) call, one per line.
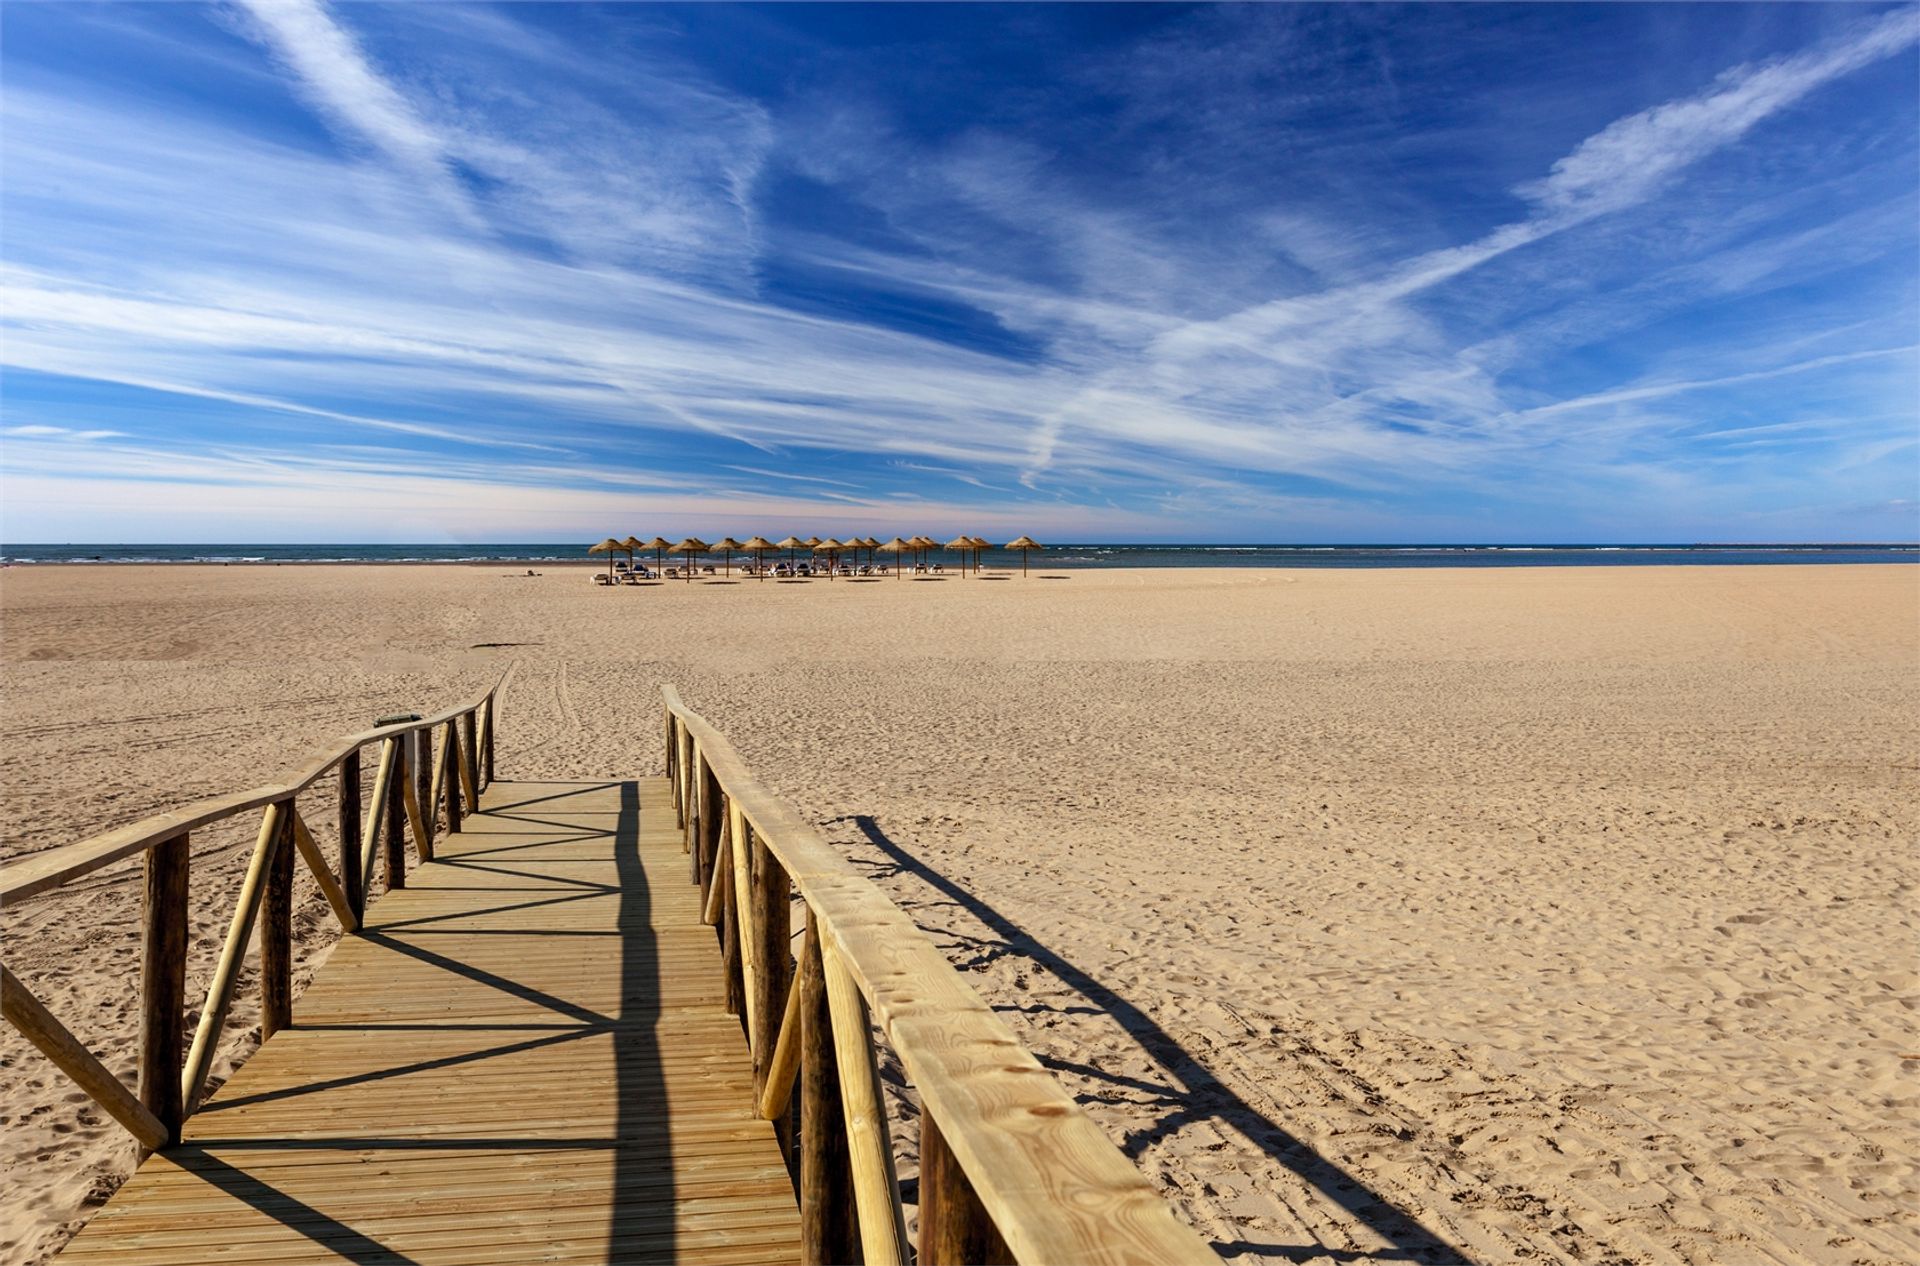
point(1553, 914)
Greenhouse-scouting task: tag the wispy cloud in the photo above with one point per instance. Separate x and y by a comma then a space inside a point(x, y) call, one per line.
point(333, 70)
point(559, 236)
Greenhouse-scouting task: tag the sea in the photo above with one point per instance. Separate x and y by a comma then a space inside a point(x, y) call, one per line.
point(1053, 557)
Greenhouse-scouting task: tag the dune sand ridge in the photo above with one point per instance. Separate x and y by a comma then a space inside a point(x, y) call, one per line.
point(1560, 914)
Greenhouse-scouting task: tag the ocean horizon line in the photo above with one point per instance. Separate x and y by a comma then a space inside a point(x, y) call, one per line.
point(1066, 555)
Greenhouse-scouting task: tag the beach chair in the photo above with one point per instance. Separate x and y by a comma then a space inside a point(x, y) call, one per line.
point(601, 578)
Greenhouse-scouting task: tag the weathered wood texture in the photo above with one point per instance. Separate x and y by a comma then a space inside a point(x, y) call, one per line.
point(525, 1057)
point(350, 881)
point(276, 933)
point(827, 1233)
point(1056, 1189)
point(163, 981)
point(27, 1014)
point(954, 1227)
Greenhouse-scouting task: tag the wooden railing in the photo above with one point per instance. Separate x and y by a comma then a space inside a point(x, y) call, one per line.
point(411, 783)
point(1010, 1168)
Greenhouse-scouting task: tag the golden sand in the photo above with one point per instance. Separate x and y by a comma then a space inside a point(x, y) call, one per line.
point(1563, 913)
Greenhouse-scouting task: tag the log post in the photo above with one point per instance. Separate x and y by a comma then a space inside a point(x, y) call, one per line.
point(772, 929)
point(276, 933)
point(730, 948)
point(450, 756)
point(376, 829)
point(827, 1232)
point(397, 817)
point(470, 772)
point(350, 880)
point(487, 753)
point(423, 789)
point(954, 1227)
point(213, 1015)
point(163, 981)
point(689, 767)
point(701, 803)
point(876, 1187)
point(673, 775)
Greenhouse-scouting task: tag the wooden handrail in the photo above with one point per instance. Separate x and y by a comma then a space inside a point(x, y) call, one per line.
point(36, 874)
point(170, 1088)
point(1046, 1184)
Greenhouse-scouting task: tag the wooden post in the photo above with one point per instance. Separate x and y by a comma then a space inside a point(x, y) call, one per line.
point(730, 964)
point(213, 1015)
point(350, 880)
point(711, 808)
point(772, 930)
point(383, 780)
point(734, 847)
point(163, 981)
point(276, 933)
point(876, 1187)
point(423, 790)
point(450, 755)
point(954, 1227)
point(487, 753)
point(689, 769)
point(673, 774)
point(470, 771)
point(397, 817)
point(827, 1234)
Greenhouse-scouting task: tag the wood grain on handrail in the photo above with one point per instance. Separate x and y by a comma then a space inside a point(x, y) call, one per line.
point(1056, 1188)
point(42, 871)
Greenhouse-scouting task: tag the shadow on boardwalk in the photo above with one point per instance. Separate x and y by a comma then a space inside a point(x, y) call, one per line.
point(564, 864)
point(1191, 1093)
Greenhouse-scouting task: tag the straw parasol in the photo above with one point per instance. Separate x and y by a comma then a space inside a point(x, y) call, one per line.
point(960, 545)
point(729, 547)
point(895, 547)
point(831, 548)
point(691, 546)
point(1024, 544)
point(791, 544)
point(609, 547)
point(758, 547)
point(632, 545)
point(872, 543)
point(980, 546)
point(659, 545)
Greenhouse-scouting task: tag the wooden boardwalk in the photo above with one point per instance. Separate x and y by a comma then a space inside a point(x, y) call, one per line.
point(524, 1057)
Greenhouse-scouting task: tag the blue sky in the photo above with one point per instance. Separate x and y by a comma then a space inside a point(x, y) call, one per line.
point(358, 272)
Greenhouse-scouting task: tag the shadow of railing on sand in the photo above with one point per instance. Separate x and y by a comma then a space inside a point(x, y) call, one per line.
point(1195, 1095)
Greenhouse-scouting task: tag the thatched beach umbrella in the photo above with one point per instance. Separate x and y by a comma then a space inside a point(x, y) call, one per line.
point(872, 543)
point(632, 545)
point(1024, 544)
point(758, 547)
point(659, 545)
point(609, 547)
point(960, 545)
point(831, 548)
point(895, 547)
point(728, 547)
point(980, 546)
point(691, 546)
point(791, 544)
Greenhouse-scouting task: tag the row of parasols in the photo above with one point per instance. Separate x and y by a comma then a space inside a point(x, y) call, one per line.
point(968, 547)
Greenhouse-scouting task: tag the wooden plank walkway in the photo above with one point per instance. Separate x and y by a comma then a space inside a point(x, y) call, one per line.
point(525, 1057)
